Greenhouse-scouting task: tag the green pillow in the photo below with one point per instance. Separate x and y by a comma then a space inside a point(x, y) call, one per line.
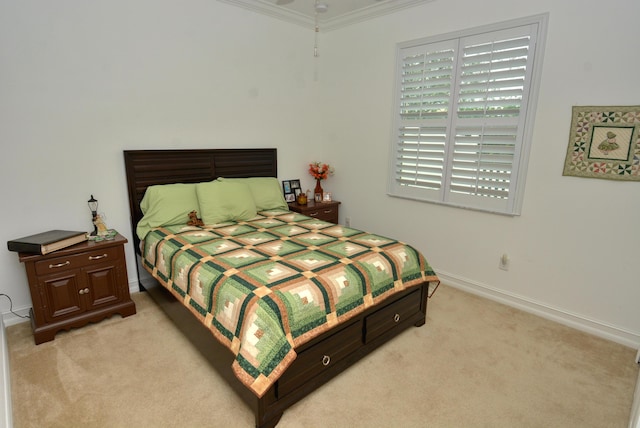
point(165, 205)
point(267, 193)
point(225, 200)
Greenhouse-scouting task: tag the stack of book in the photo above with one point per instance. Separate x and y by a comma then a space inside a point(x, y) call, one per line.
point(47, 242)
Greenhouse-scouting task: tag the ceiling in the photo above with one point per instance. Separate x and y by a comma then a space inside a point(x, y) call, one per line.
point(339, 13)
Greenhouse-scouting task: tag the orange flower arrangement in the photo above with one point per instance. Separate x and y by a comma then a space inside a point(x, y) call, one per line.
point(320, 171)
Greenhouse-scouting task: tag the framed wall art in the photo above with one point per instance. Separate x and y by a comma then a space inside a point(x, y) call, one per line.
point(604, 142)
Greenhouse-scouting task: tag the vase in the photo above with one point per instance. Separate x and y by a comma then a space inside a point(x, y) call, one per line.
point(318, 191)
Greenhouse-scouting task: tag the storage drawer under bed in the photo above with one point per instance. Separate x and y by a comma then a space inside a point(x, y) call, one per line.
point(392, 315)
point(320, 357)
point(323, 355)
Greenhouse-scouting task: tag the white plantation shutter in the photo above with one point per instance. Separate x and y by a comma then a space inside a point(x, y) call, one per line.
point(463, 112)
point(482, 160)
point(420, 160)
point(425, 102)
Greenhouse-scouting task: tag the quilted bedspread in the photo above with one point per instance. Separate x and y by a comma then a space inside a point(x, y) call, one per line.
point(265, 286)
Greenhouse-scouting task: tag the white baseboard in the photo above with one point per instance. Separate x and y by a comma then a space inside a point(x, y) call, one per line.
point(11, 318)
point(6, 414)
point(597, 328)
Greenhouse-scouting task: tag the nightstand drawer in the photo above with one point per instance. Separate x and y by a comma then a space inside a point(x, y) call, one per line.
point(325, 211)
point(327, 214)
point(74, 261)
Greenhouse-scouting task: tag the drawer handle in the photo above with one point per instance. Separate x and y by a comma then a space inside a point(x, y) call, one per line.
point(396, 317)
point(59, 265)
point(326, 360)
point(328, 211)
point(97, 257)
point(84, 291)
point(315, 214)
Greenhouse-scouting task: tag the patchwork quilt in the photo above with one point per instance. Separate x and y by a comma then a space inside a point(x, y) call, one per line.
point(267, 285)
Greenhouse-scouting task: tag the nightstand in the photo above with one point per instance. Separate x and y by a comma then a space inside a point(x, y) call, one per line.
point(327, 211)
point(71, 287)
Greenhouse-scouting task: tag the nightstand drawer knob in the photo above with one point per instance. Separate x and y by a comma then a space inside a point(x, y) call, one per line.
point(97, 257)
point(59, 265)
point(84, 291)
point(396, 317)
point(326, 360)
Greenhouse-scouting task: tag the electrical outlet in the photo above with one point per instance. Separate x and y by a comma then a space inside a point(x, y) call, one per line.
point(504, 262)
point(347, 221)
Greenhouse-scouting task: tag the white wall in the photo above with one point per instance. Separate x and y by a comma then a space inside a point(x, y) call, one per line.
point(82, 81)
point(574, 250)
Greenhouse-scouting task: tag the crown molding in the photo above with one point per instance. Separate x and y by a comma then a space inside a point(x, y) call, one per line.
point(369, 12)
point(326, 24)
point(270, 9)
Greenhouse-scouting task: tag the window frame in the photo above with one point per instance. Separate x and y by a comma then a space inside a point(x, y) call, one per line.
point(512, 204)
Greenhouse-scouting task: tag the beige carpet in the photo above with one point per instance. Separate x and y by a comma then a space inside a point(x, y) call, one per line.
point(475, 363)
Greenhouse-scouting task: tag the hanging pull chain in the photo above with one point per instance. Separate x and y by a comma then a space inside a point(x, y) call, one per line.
point(315, 46)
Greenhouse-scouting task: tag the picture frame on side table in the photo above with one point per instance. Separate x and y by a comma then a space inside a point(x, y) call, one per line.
point(327, 197)
point(291, 189)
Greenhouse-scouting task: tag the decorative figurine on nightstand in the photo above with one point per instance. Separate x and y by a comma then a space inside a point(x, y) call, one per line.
point(100, 226)
point(93, 206)
point(100, 230)
point(302, 199)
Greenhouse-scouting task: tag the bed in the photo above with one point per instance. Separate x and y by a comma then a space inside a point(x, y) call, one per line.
point(278, 302)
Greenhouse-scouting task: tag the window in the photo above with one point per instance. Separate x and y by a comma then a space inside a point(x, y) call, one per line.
point(464, 115)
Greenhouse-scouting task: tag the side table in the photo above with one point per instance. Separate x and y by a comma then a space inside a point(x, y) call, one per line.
point(71, 287)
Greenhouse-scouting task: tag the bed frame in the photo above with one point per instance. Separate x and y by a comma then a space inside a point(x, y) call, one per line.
point(318, 360)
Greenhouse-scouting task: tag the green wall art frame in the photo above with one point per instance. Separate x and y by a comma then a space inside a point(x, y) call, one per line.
point(604, 142)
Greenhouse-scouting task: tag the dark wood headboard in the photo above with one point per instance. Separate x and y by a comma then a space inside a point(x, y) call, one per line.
point(145, 168)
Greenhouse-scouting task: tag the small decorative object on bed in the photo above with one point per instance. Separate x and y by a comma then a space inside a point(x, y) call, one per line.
point(285, 300)
point(194, 220)
point(604, 143)
point(320, 171)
